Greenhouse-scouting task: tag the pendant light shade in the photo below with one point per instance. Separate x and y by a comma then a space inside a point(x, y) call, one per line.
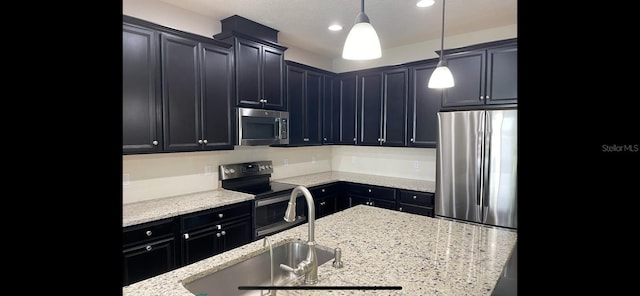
point(362, 42)
point(441, 76)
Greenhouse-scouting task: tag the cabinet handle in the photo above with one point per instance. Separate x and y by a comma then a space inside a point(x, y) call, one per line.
point(322, 190)
point(148, 248)
point(487, 97)
point(414, 197)
point(322, 203)
point(372, 203)
point(199, 141)
point(481, 97)
point(224, 232)
point(325, 139)
point(155, 143)
point(220, 215)
point(354, 139)
point(218, 234)
point(186, 236)
point(382, 140)
point(400, 209)
point(412, 140)
point(218, 226)
point(205, 141)
point(148, 233)
point(369, 190)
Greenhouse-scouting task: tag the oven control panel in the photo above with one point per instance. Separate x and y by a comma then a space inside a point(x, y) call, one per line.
point(245, 169)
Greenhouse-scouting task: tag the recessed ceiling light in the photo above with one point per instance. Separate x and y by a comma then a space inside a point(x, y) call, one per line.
point(335, 27)
point(425, 3)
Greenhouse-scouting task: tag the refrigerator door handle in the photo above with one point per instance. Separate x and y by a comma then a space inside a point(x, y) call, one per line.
point(480, 159)
point(486, 167)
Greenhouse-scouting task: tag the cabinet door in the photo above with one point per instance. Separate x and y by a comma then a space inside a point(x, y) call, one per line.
point(325, 205)
point(502, 75)
point(272, 75)
point(396, 89)
point(346, 99)
point(248, 72)
point(327, 110)
point(468, 69)
point(358, 200)
point(424, 105)
point(217, 82)
point(180, 93)
point(385, 204)
point(295, 99)
point(141, 104)
point(313, 108)
point(370, 115)
point(147, 260)
point(199, 244)
point(234, 234)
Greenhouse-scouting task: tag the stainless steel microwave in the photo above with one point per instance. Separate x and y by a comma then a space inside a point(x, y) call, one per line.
point(262, 127)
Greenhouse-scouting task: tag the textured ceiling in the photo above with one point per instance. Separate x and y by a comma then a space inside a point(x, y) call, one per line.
point(303, 23)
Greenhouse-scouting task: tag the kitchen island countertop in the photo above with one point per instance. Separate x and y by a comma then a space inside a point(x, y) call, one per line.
point(146, 211)
point(422, 255)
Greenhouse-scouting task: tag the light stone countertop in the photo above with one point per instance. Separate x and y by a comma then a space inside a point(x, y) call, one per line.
point(156, 209)
point(423, 255)
point(328, 177)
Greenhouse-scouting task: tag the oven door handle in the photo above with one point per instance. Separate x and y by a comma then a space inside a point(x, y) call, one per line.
point(280, 226)
point(268, 201)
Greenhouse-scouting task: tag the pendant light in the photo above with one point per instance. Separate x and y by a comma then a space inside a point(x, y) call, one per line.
point(441, 76)
point(362, 42)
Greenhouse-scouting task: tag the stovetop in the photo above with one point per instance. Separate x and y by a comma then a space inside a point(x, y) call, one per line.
point(252, 178)
point(274, 188)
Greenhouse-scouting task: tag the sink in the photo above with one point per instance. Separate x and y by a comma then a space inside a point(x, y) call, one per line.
point(255, 271)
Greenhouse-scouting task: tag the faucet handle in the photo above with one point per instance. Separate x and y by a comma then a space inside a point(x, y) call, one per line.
point(337, 261)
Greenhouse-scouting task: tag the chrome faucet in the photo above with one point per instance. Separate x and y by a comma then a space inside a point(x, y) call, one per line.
point(309, 266)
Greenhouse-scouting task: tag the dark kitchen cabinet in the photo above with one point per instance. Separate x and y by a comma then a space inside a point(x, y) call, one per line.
point(196, 95)
point(328, 198)
point(148, 250)
point(345, 108)
point(259, 71)
point(370, 113)
point(210, 232)
point(141, 101)
point(377, 196)
point(416, 202)
point(304, 95)
point(177, 90)
point(329, 116)
point(484, 74)
point(424, 105)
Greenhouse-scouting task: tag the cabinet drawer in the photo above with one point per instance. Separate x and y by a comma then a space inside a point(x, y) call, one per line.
point(148, 231)
point(324, 190)
point(215, 216)
point(372, 191)
point(424, 199)
point(416, 210)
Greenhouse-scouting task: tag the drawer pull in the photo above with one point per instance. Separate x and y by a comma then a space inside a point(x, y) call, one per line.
point(414, 197)
point(218, 226)
point(186, 236)
point(369, 190)
point(148, 233)
point(148, 248)
point(400, 209)
point(224, 233)
point(220, 215)
point(322, 190)
point(218, 234)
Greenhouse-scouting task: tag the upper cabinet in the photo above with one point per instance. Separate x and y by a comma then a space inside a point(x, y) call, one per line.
point(424, 104)
point(177, 90)
point(345, 109)
point(141, 104)
point(196, 93)
point(485, 74)
point(259, 63)
point(305, 95)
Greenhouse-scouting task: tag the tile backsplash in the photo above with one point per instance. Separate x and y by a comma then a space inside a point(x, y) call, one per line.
point(153, 176)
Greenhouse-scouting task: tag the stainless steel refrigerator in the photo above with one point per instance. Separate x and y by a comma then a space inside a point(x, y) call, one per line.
point(476, 167)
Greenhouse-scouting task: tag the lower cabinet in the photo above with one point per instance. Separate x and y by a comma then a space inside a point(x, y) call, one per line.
point(415, 202)
point(377, 196)
point(148, 250)
point(210, 232)
point(328, 199)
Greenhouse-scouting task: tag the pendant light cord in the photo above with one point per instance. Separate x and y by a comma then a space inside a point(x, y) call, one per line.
point(442, 36)
point(362, 5)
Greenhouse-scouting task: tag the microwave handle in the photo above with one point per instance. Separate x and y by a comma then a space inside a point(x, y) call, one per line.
point(277, 128)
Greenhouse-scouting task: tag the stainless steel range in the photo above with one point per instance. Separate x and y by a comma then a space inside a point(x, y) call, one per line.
point(271, 198)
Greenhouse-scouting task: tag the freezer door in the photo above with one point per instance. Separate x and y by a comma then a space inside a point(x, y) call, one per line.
point(459, 165)
point(500, 171)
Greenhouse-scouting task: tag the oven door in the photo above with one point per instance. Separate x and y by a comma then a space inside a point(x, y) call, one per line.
point(269, 214)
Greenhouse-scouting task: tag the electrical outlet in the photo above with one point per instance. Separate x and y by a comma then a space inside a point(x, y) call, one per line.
point(416, 164)
point(125, 179)
point(207, 170)
point(286, 162)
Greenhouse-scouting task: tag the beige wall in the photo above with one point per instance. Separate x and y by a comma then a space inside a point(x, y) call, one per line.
point(153, 176)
